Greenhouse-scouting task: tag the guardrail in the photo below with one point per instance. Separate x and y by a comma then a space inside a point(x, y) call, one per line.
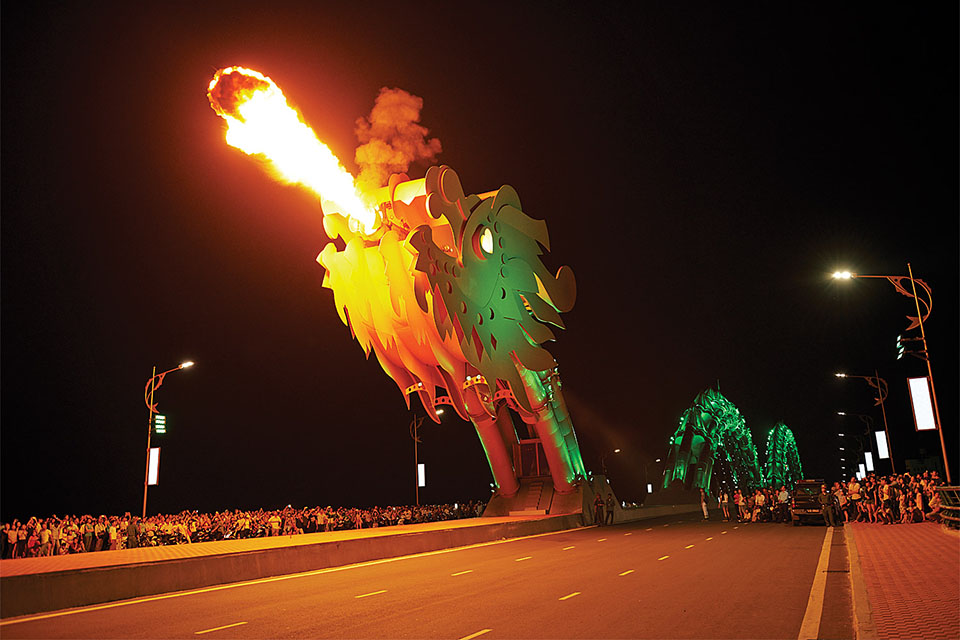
point(950, 506)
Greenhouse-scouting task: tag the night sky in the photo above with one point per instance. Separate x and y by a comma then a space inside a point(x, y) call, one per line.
point(703, 169)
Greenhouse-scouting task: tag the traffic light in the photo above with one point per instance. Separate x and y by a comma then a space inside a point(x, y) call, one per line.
point(159, 424)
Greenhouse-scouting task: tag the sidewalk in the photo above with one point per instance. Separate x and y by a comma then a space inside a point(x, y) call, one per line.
point(911, 573)
point(100, 559)
point(32, 585)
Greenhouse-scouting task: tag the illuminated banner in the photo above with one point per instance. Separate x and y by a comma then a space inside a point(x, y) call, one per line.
point(154, 466)
point(868, 458)
point(882, 452)
point(922, 407)
point(421, 475)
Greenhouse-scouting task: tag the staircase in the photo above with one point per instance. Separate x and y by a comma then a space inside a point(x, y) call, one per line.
point(530, 505)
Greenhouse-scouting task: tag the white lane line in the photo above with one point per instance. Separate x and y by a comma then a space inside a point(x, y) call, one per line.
point(523, 558)
point(372, 593)
point(569, 595)
point(663, 557)
point(478, 633)
point(226, 626)
point(627, 572)
point(810, 627)
point(568, 548)
point(460, 573)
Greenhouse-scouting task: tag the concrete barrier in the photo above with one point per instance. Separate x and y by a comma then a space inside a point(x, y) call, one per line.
point(51, 590)
point(644, 513)
point(35, 585)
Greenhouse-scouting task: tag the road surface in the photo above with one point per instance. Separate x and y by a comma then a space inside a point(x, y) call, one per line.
point(665, 578)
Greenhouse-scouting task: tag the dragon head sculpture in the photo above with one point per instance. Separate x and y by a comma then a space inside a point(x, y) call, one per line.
point(451, 295)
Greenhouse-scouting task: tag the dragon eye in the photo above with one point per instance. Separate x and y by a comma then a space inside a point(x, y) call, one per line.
point(483, 242)
point(486, 241)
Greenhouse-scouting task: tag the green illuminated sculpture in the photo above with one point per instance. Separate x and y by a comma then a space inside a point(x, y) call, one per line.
point(711, 427)
point(782, 468)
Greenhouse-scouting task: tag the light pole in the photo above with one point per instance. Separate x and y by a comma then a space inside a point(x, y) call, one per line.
point(646, 477)
point(883, 389)
point(148, 397)
point(603, 461)
point(414, 429)
point(867, 433)
point(897, 282)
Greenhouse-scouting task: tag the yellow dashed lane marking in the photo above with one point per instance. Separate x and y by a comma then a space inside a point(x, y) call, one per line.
point(523, 558)
point(627, 572)
point(569, 595)
point(226, 626)
point(478, 633)
point(460, 573)
point(372, 593)
point(663, 557)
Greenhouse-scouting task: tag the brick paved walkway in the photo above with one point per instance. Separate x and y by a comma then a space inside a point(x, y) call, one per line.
point(912, 578)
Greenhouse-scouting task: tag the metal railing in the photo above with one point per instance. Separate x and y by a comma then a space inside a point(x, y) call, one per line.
point(950, 506)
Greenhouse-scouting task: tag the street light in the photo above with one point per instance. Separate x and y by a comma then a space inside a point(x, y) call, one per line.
point(897, 282)
point(603, 461)
point(148, 397)
point(883, 390)
point(415, 425)
point(646, 477)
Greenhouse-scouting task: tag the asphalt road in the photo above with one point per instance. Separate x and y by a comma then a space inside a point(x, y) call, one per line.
point(665, 578)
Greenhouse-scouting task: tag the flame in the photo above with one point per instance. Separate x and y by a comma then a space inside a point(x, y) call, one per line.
point(259, 121)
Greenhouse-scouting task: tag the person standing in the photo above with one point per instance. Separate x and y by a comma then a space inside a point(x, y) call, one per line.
point(10, 531)
point(725, 505)
point(598, 510)
point(826, 500)
point(611, 505)
point(853, 495)
point(703, 504)
point(783, 505)
point(133, 535)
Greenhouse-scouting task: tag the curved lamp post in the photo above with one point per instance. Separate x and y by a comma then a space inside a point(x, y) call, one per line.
point(603, 460)
point(897, 282)
point(148, 397)
point(883, 389)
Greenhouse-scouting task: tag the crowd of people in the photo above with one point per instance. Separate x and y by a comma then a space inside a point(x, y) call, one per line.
point(892, 499)
point(85, 534)
point(763, 505)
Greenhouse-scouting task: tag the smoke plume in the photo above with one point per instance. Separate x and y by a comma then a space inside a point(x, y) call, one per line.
point(391, 138)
